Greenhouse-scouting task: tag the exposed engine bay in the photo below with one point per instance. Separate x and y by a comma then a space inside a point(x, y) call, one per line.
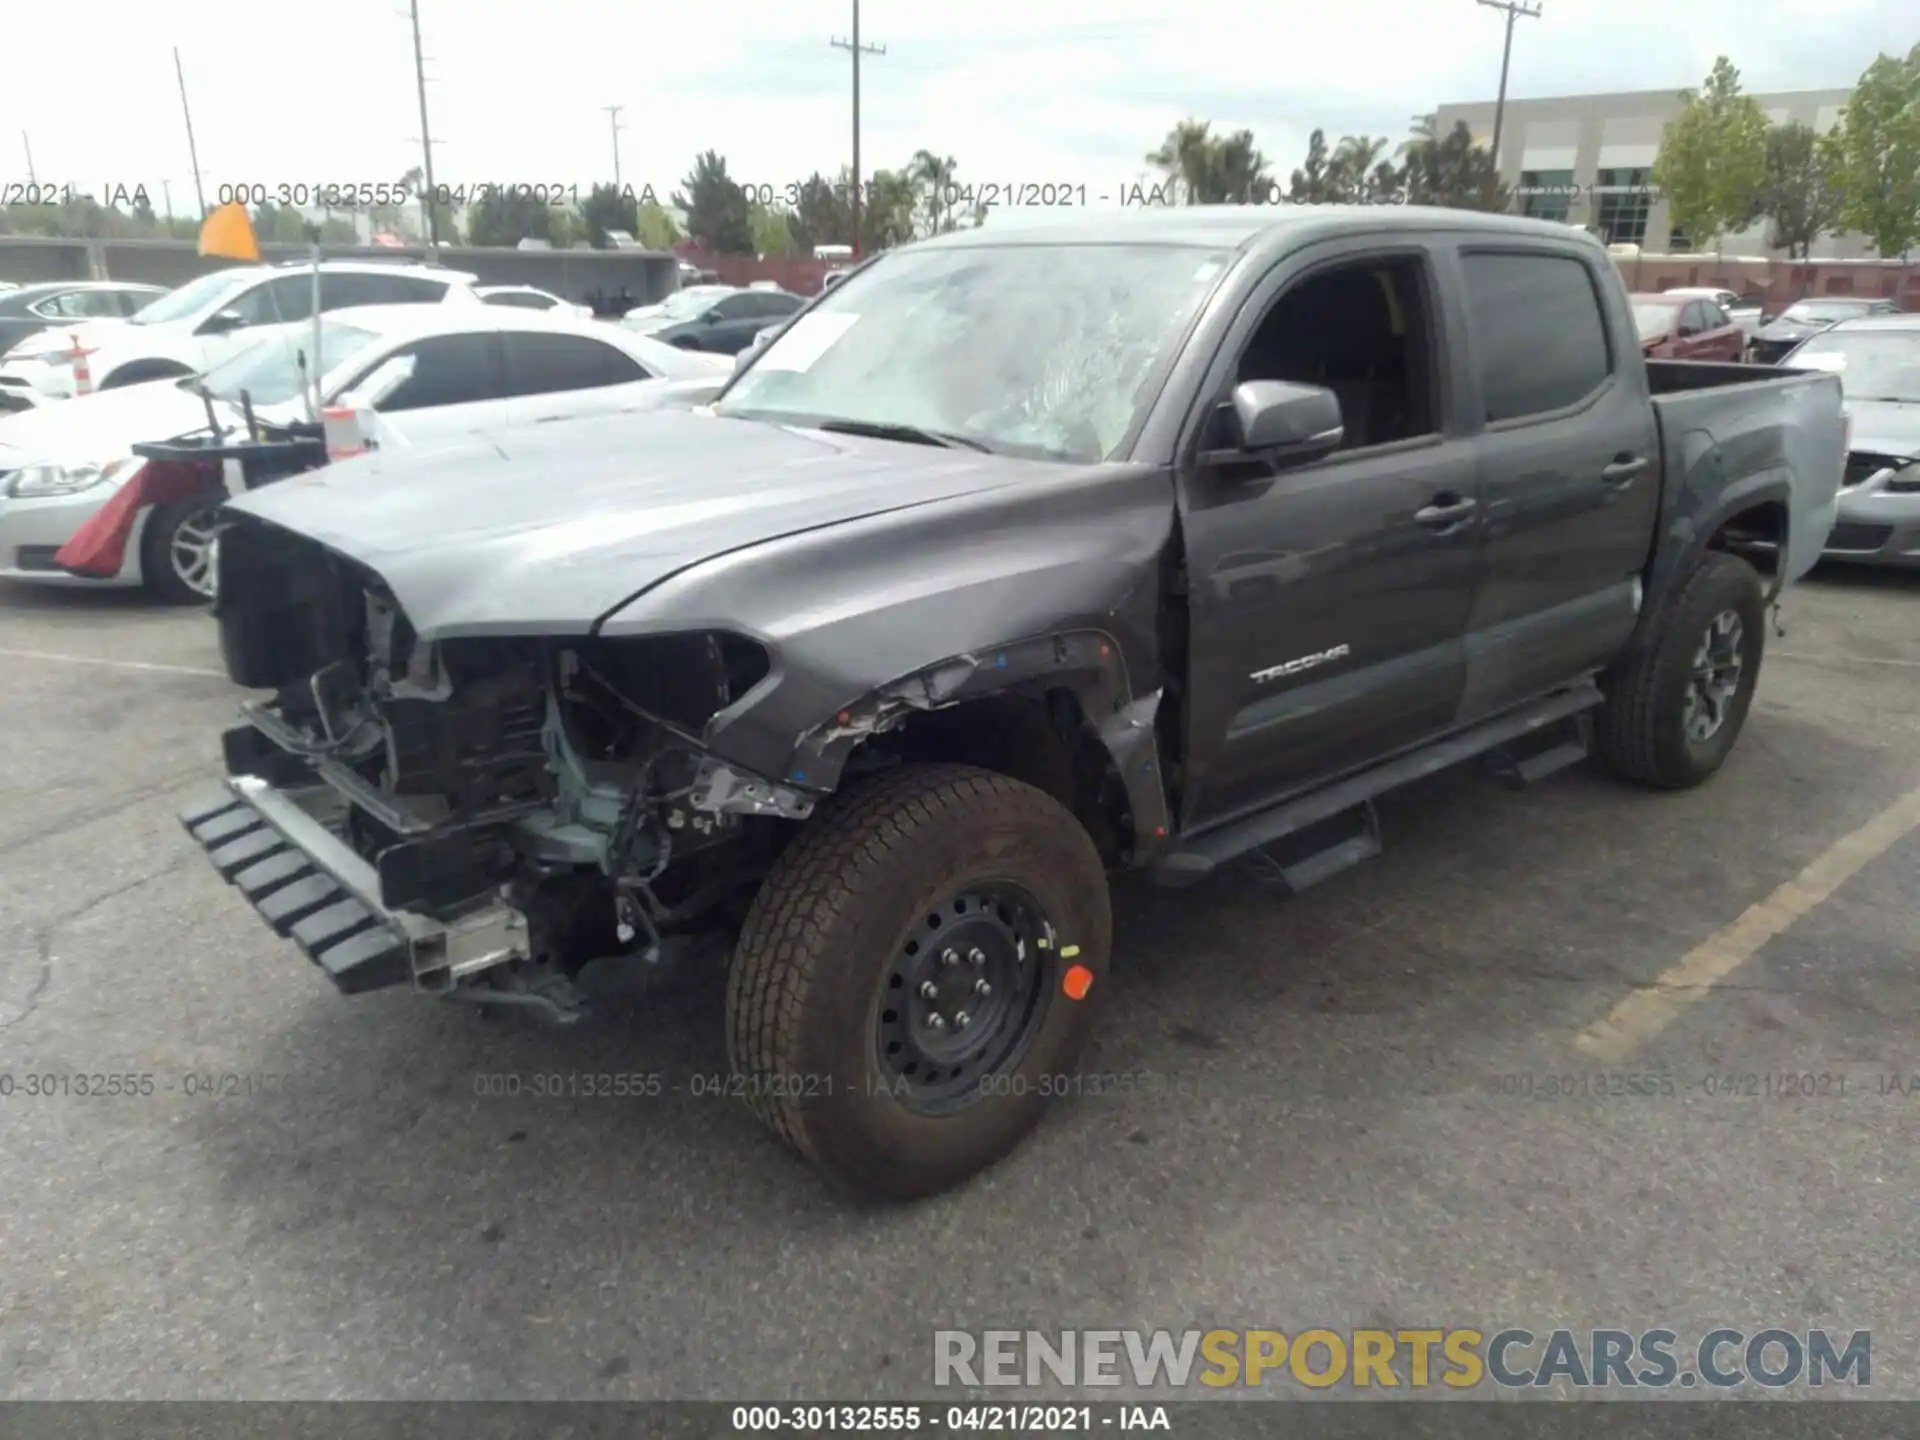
point(554, 794)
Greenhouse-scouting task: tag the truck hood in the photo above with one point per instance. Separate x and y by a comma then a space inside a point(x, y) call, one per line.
point(547, 529)
point(1885, 427)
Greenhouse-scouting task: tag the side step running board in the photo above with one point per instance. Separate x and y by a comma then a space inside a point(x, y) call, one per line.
point(1200, 856)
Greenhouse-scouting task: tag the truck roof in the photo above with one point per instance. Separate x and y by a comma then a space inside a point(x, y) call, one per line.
point(1244, 226)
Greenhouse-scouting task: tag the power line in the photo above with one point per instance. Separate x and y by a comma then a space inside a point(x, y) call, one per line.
point(32, 181)
point(613, 119)
point(193, 151)
point(1514, 10)
point(856, 49)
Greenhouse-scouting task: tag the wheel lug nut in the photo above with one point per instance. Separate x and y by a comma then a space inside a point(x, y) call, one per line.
point(982, 988)
point(976, 956)
point(947, 957)
point(961, 1020)
point(929, 990)
point(937, 1021)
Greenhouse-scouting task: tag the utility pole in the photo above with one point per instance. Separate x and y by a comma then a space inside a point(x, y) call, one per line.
point(613, 119)
point(1514, 9)
point(193, 151)
point(33, 182)
point(856, 49)
point(426, 137)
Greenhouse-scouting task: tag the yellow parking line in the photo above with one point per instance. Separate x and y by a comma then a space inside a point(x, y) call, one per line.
point(1645, 1013)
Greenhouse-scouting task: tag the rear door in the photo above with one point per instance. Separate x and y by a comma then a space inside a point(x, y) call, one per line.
point(554, 374)
point(457, 389)
point(1568, 468)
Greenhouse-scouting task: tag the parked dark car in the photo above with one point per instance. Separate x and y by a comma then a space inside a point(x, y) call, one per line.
point(1147, 541)
point(729, 325)
point(29, 309)
point(1806, 318)
point(1679, 328)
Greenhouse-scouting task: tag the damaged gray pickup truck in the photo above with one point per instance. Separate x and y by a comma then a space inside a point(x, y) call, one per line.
point(1024, 555)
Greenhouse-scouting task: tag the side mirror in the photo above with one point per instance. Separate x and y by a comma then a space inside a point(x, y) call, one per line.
point(223, 321)
point(388, 376)
point(1280, 420)
point(712, 317)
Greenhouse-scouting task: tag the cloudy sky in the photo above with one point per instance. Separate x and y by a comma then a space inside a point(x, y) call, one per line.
point(1033, 91)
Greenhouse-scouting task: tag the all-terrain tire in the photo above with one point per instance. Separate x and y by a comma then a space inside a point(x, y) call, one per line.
point(1641, 733)
point(812, 969)
point(157, 568)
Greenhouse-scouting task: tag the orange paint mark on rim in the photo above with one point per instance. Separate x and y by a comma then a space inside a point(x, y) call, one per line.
point(1076, 982)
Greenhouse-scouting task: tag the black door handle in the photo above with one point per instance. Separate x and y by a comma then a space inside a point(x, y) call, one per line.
point(1624, 470)
point(1444, 512)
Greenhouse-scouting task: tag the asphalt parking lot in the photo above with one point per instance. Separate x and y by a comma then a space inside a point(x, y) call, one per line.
point(1336, 1133)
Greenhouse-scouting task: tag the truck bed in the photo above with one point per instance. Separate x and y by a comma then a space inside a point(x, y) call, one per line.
point(1727, 427)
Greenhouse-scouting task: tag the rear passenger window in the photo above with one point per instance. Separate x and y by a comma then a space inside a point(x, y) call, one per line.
point(1538, 332)
point(539, 363)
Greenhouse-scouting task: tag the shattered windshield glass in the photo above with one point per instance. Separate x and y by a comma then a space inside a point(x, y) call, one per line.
point(1044, 350)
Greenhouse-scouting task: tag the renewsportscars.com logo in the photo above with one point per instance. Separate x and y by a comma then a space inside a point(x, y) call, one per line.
point(1453, 1358)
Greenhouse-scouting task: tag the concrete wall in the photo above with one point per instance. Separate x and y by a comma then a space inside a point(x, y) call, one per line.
point(612, 280)
point(1589, 133)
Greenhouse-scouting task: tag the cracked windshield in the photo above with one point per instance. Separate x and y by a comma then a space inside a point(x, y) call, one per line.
point(985, 721)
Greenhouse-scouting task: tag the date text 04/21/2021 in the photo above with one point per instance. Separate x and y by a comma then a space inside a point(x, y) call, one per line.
point(974, 1419)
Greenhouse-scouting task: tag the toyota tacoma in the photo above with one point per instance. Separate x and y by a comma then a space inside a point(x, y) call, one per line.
point(1022, 556)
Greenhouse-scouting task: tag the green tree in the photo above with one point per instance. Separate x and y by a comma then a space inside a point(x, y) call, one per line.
point(1183, 157)
point(890, 208)
point(715, 207)
point(1351, 171)
point(506, 217)
point(1712, 162)
point(1877, 150)
point(821, 214)
point(609, 207)
point(1801, 197)
point(772, 232)
point(934, 176)
point(1235, 172)
point(1312, 183)
point(565, 228)
point(1452, 170)
point(656, 228)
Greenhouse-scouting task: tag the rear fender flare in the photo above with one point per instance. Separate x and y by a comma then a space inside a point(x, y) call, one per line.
point(1089, 663)
point(1688, 535)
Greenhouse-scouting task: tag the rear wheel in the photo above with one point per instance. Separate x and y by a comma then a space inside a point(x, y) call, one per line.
point(177, 552)
point(1675, 708)
point(913, 982)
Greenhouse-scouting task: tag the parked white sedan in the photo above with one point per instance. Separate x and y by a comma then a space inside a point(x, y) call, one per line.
point(427, 373)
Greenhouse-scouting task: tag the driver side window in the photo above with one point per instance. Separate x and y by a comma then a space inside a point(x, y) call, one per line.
point(280, 300)
point(1360, 330)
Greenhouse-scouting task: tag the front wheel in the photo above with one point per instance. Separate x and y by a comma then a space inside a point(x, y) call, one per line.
point(914, 981)
point(177, 551)
point(1676, 706)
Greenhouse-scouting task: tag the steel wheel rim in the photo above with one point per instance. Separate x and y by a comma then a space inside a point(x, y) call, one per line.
point(190, 552)
point(1715, 679)
point(986, 953)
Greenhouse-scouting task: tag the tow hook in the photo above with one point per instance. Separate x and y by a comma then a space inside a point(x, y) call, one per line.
point(1779, 630)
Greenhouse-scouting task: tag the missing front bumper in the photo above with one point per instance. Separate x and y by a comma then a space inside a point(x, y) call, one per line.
point(312, 888)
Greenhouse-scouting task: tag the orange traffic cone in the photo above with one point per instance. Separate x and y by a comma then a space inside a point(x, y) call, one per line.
point(82, 372)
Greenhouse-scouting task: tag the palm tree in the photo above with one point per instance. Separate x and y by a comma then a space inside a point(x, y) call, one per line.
point(1236, 171)
point(1352, 165)
point(933, 177)
point(1184, 156)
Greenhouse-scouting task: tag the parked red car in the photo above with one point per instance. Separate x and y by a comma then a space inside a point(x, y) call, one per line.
point(1682, 327)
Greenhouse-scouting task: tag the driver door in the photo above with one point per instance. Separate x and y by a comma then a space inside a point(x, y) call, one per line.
point(1329, 599)
point(278, 301)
